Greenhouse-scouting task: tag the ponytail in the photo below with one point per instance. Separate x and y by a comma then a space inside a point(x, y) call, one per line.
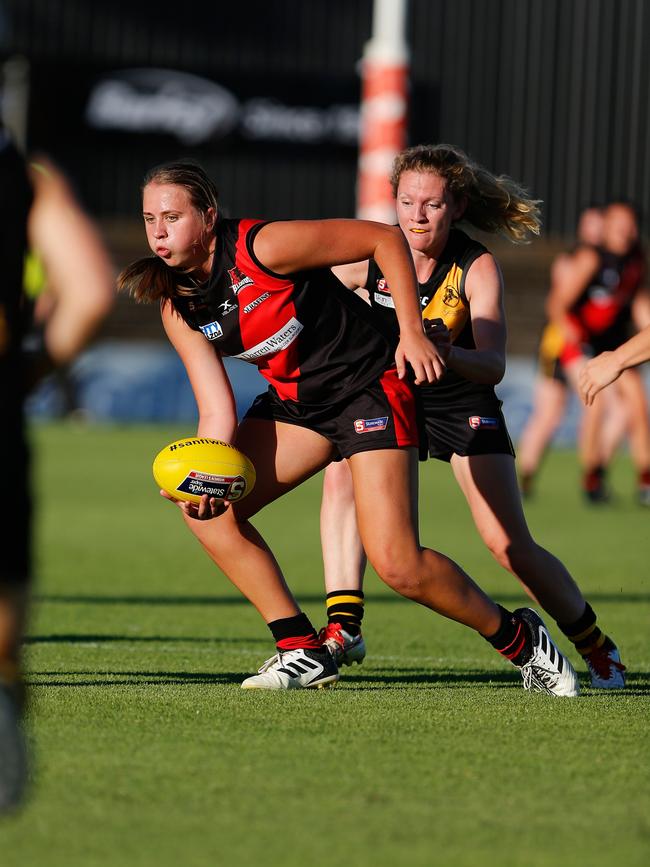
point(147, 280)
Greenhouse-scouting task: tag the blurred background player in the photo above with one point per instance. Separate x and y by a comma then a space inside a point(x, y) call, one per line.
point(595, 302)
point(552, 390)
point(435, 188)
point(40, 211)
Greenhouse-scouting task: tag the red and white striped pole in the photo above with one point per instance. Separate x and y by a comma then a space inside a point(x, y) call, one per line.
point(384, 103)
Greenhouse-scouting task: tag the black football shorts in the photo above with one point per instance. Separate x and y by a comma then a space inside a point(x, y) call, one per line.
point(380, 416)
point(476, 428)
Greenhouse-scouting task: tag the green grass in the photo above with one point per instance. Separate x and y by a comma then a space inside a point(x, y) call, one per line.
point(146, 752)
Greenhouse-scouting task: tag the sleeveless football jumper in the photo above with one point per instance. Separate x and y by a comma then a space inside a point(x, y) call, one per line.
point(329, 362)
point(458, 416)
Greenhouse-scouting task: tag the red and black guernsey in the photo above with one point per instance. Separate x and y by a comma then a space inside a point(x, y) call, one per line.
point(311, 338)
point(602, 313)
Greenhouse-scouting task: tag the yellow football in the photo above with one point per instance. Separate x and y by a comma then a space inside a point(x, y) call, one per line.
point(193, 466)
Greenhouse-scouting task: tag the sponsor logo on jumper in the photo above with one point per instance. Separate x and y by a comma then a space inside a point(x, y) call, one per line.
point(249, 307)
point(220, 487)
point(482, 422)
point(367, 425)
point(451, 296)
point(238, 279)
point(384, 300)
point(275, 343)
point(424, 300)
point(212, 330)
point(382, 285)
point(227, 307)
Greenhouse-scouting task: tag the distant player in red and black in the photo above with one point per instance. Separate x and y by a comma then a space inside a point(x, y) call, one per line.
point(338, 388)
point(459, 284)
point(601, 295)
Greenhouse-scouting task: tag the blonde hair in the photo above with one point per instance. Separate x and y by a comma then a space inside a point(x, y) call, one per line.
point(495, 203)
point(150, 279)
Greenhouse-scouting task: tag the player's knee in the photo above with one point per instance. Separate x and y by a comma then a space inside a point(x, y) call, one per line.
point(337, 482)
point(402, 573)
point(511, 554)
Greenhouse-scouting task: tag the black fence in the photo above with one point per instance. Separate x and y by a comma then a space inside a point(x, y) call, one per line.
point(553, 92)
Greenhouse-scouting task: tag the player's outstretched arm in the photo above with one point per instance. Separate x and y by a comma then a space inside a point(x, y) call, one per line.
point(608, 366)
point(286, 247)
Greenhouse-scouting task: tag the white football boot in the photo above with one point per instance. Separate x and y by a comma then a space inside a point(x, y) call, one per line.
point(547, 670)
point(345, 648)
point(295, 669)
point(606, 669)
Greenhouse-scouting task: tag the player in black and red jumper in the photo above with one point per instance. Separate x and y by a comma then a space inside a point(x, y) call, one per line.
point(435, 187)
point(338, 388)
point(599, 296)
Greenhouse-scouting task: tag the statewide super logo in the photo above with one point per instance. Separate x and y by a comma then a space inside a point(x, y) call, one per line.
point(481, 422)
point(221, 487)
point(367, 425)
point(238, 279)
point(382, 296)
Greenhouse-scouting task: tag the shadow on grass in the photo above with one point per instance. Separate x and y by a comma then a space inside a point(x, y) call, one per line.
point(638, 682)
point(311, 599)
point(74, 638)
point(131, 678)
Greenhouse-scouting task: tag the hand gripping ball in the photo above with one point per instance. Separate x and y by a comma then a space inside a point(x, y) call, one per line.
point(188, 468)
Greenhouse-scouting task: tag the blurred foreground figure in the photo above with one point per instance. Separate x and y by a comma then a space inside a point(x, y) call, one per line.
point(41, 213)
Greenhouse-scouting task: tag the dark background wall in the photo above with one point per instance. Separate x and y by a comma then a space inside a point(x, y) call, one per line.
point(555, 93)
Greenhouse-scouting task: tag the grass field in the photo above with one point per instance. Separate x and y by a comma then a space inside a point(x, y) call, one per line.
point(146, 751)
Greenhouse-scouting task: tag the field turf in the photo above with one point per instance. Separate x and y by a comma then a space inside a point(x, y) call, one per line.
point(146, 752)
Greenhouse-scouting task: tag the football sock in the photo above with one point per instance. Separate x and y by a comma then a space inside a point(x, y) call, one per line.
point(643, 478)
point(512, 638)
point(585, 634)
point(292, 633)
point(594, 483)
point(346, 607)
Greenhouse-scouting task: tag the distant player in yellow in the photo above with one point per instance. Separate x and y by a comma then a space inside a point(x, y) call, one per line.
point(436, 187)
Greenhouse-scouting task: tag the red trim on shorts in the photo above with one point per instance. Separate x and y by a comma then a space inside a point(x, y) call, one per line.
point(402, 403)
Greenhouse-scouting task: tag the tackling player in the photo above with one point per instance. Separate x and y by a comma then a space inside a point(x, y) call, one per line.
point(436, 187)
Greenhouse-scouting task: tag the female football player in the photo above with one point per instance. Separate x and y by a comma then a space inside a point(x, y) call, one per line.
point(459, 280)
point(552, 387)
point(594, 305)
point(264, 292)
